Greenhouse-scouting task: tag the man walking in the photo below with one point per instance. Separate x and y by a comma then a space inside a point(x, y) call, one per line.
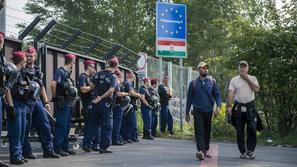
point(203, 92)
point(242, 90)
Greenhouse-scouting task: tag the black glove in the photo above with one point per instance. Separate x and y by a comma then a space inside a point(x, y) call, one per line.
point(10, 112)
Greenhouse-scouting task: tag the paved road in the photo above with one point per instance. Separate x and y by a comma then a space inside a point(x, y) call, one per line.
point(169, 153)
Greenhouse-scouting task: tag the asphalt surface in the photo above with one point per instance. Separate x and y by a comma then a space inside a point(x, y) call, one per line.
point(167, 153)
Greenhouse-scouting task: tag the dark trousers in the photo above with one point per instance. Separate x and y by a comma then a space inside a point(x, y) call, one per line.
point(16, 128)
point(166, 119)
point(100, 119)
point(117, 123)
point(37, 115)
point(202, 127)
point(243, 122)
point(154, 123)
point(129, 126)
point(146, 113)
point(62, 128)
point(86, 113)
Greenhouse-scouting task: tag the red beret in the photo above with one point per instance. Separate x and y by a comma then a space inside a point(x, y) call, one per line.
point(2, 35)
point(154, 81)
point(19, 54)
point(114, 62)
point(88, 62)
point(31, 50)
point(70, 56)
point(145, 79)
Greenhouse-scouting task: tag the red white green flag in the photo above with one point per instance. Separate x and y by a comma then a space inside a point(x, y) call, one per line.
point(171, 48)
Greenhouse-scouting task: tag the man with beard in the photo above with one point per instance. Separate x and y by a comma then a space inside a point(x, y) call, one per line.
point(203, 92)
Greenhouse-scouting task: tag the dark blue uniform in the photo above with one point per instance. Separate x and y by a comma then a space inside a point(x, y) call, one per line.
point(63, 112)
point(16, 126)
point(146, 112)
point(100, 116)
point(86, 99)
point(155, 112)
point(129, 122)
point(37, 117)
point(117, 119)
point(166, 118)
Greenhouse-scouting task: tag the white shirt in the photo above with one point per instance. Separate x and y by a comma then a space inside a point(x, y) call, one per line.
point(243, 92)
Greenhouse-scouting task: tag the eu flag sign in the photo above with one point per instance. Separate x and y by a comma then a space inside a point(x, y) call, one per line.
point(171, 30)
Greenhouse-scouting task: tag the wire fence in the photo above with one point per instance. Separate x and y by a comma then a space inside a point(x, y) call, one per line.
point(60, 33)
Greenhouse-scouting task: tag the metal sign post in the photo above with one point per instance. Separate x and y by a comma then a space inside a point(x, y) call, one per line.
point(171, 38)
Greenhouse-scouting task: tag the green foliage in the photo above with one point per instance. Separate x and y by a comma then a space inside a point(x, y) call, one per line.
point(219, 32)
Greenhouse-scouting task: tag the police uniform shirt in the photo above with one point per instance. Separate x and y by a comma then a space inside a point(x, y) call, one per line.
point(153, 91)
point(84, 80)
point(243, 92)
point(144, 91)
point(20, 89)
point(61, 75)
point(33, 73)
point(103, 81)
point(128, 86)
point(163, 92)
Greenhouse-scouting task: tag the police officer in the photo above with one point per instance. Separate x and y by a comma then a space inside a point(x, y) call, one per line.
point(120, 101)
point(156, 105)
point(203, 92)
point(63, 90)
point(242, 90)
point(104, 84)
point(37, 112)
point(166, 118)
point(129, 124)
point(146, 109)
point(2, 36)
point(17, 116)
point(87, 96)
